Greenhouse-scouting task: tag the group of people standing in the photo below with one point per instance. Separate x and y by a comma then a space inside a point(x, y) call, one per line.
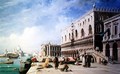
point(86, 60)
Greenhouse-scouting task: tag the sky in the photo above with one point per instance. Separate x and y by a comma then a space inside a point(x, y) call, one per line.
point(30, 23)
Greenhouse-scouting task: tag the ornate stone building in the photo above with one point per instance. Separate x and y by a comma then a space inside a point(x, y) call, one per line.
point(111, 41)
point(85, 34)
point(50, 50)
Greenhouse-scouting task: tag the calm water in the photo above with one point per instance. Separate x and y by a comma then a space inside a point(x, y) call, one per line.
point(8, 69)
point(12, 68)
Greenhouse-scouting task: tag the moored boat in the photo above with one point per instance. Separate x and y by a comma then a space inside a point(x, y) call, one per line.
point(6, 61)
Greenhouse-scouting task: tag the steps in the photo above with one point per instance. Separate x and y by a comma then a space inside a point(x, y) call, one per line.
point(97, 55)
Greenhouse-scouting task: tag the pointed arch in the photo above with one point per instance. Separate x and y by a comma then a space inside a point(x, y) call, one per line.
point(69, 36)
point(82, 32)
point(65, 38)
point(90, 29)
point(76, 33)
point(107, 50)
point(115, 51)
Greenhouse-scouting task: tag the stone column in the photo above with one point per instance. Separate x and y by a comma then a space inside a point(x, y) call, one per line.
point(53, 51)
point(49, 50)
point(111, 30)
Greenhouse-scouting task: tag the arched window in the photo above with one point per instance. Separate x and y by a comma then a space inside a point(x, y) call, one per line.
point(116, 30)
point(91, 17)
point(69, 36)
point(90, 29)
point(76, 33)
point(72, 35)
point(83, 22)
point(88, 20)
point(65, 38)
point(99, 28)
point(80, 24)
point(82, 32)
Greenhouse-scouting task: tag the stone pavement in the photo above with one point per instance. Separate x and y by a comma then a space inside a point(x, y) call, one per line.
point(78, 69)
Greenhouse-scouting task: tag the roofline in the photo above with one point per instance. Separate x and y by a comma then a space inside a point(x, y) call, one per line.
point(90, 11)
point(95, 9)
point(100, 9)
point(118, 15)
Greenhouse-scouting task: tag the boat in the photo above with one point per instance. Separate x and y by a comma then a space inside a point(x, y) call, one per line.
point(12, 55)
point(6, 61)
point(2, 55)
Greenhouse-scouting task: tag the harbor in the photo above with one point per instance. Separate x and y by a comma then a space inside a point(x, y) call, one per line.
point(14, 63)
point(60, 37)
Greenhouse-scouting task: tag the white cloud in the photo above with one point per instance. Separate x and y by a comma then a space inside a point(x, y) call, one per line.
point(40, 23)
point(31, 38)
point(13, 2)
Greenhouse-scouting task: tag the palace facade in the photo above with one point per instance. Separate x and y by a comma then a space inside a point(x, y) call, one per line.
point(111, 41)
point(86, 33)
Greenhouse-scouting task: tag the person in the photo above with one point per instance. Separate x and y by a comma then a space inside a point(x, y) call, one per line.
point(83, 60)
point(104, 62)
point(88, 60)
point(65, 68)
point(77, 60)
point(56, 62)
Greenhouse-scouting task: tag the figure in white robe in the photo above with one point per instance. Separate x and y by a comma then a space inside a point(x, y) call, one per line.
point(83, 60)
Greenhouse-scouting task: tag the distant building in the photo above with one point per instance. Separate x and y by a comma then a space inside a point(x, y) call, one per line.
point(51, 50)
point(83, 35)
point(111, 41)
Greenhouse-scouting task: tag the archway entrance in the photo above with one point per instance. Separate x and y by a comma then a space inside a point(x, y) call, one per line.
point(115, 52)
point(107, 50)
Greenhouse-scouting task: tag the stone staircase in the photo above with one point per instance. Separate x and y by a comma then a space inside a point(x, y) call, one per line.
point(98, 55)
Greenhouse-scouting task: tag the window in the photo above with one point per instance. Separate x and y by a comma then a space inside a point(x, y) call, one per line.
point(76, 33)
point(88, 20)
point(83, 22)
point(72, 36)
point(62, 39)
point(115, 27)
point(91, 17)
point(80, 24)
point(90, 29)
point(100, 17)
point(115, 30)
point(65, 38)
point(98, 28)
point(82, 32)
point(69, 36)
